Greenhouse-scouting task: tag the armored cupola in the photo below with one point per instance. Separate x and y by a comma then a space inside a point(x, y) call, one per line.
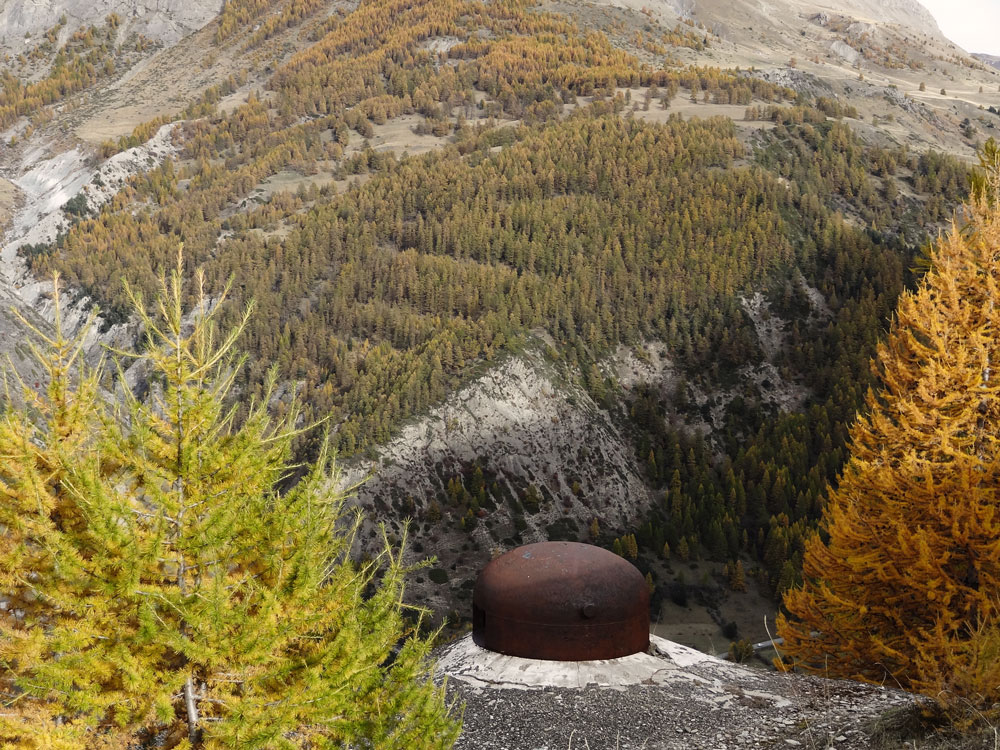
point(561, 601)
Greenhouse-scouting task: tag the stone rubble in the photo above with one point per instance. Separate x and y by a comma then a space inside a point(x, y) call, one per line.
point(671, 698)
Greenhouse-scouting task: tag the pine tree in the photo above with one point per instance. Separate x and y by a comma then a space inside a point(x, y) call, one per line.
point(737, 576)
point(631, 546)
point(902, 584)
point(188, 596)
point(683, 549)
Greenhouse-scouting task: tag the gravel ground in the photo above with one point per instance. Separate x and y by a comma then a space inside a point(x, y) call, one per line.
point(708, 704)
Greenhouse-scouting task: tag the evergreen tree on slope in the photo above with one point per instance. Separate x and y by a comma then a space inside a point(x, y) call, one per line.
point(183, 596)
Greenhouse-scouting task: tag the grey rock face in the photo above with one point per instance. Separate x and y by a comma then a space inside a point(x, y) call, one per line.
point(162, 20)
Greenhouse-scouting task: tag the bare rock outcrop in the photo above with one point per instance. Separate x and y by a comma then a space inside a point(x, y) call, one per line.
point(526, 427)
point(161, 20)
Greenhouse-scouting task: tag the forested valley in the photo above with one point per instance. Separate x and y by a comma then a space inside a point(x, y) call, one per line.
point(551, 207)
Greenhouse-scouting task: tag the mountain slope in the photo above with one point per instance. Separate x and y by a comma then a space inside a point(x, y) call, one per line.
point(579, 183)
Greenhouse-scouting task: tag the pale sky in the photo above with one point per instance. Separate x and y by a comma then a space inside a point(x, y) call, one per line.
point(974, 25)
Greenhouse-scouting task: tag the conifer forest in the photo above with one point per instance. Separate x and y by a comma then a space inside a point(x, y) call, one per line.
point(599, 230)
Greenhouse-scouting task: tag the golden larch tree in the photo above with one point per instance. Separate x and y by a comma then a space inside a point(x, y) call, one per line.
point(900, 585)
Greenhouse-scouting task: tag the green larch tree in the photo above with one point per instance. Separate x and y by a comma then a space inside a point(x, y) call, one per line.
point(48, 550)
point(192, 599)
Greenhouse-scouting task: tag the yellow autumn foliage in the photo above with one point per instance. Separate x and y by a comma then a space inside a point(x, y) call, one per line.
point(901, 584)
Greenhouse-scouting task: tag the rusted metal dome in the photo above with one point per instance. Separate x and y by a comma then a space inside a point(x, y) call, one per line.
point(563, 601)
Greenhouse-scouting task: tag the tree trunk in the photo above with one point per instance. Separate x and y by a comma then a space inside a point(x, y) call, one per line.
point(192, 711)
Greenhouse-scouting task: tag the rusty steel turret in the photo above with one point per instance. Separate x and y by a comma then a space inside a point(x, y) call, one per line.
point(562, 601)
